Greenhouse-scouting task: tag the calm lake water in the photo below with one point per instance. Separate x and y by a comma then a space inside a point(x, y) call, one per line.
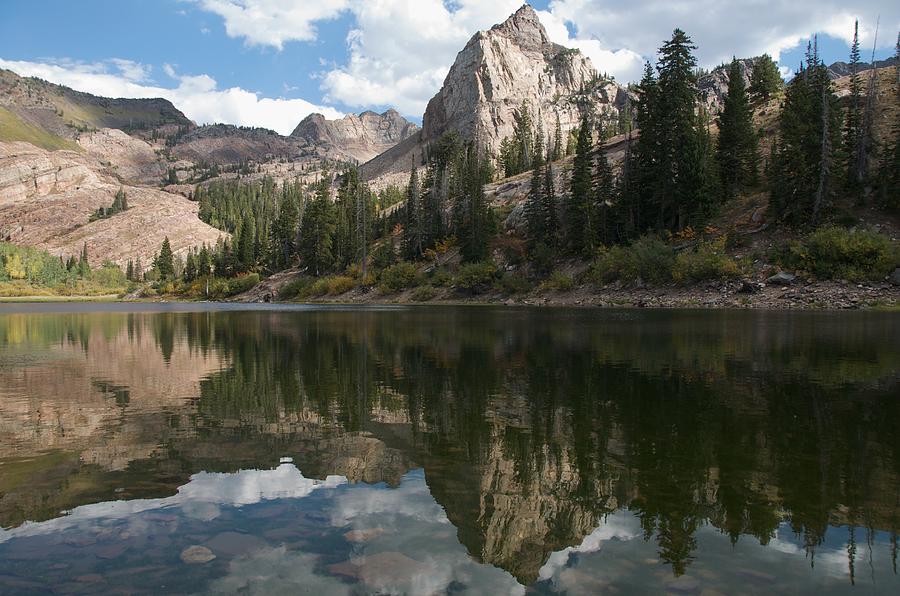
point(191, 449)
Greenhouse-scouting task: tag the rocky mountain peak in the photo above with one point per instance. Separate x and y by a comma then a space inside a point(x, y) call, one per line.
point(360, 137)
point(525, 28)
point(512, 63)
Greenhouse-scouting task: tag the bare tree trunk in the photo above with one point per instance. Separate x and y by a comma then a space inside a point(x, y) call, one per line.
point(864, 146)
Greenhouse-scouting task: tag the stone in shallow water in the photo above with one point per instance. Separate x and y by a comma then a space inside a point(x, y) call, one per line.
point(683, 585)
point(234, 543)
point(110, 551)
point(201, 510)
point(382, 569)
point(363, 535)
point(197, 554)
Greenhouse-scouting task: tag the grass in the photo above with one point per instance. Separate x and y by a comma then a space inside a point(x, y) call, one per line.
point(13, 128)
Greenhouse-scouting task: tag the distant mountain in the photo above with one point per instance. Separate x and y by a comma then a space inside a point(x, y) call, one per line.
point(498, 70)
point(360, 137)
point(841, 69)
point(63, 112)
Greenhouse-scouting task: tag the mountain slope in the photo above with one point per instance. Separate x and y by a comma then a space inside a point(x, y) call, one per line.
point(360, 137)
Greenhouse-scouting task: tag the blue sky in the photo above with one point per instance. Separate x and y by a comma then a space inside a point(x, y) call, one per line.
point(271, 62)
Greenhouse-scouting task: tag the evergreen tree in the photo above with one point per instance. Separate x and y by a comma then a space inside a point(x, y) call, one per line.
point(412, 229)
point(246, 246)
point(165, 262)
point(471, 215)
point(579, 232)
point(84, 267)
point(551, 233)
point(204, 262)
point(284, 233)
point(535, 215)
point(736, 152)
point(853, 121)
point(765, 80)
point(807, 130)
point(317, 231)
point(605, 197)
point(129, 270)
point(644, 178)
point(557, 141)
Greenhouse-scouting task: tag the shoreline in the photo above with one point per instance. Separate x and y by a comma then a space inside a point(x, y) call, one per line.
point(730, 295)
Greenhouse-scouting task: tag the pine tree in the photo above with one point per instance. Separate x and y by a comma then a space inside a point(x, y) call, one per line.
point(412, 229)
point(472, 218)
point(557, 141)
point(246, 253)
point(204, 262)
point(644, 177)
point(808, 129)
point(84, 267)
point(551, 234)
point(165, 262)
point(605, 196)
point(317, 232)
point(736, 152)
point(578, 217)
point(535, 216)
point(284, 232)
point(853, 121)
point(129, 270)
point(765, 80)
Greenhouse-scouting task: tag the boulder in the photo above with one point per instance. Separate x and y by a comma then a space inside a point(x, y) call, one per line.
point(782, 278)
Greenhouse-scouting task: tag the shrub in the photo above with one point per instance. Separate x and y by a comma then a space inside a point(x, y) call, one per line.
point(647, 258)
point(424, 294)
point(397, 277)
point(441, 278)
point(332, 285)
point(241, 284)
point(559, 282)
point(513, 283)
point(831, 252)
point(542, 258)
point(707, 261)
point(474, 277)
point(293, 288)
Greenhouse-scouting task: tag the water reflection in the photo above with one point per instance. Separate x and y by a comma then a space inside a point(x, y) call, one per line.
point(570, 450)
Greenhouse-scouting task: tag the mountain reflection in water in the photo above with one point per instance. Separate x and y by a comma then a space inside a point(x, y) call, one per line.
point(449, 450)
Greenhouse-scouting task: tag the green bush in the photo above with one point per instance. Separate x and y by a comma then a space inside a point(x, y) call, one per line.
point(558, 282)
point(475, 277)
point(513, 283)
point(384, 256)
point(441, 278)
point(832, 252)
point(293, 288)
point(424, 294)
point(708, 261)
point(332, 285)
point(397, 277)
point(239, 285)
point(647, 258)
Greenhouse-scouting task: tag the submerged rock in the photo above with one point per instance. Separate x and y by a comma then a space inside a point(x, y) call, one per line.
point(196, 554)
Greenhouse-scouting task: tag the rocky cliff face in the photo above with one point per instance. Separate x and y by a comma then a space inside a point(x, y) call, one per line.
point(511, 63)
point(498, 70)
point(360, 137)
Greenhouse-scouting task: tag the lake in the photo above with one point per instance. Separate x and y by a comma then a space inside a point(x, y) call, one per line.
point(195, 448)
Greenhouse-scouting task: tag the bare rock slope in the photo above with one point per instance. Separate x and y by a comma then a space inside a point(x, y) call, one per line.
point(47, 198)
point(359, 137)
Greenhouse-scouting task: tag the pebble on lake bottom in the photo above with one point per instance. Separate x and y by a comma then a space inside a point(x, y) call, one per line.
point(196, 554)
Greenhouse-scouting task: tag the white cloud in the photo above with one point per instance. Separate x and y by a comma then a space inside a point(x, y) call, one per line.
point(621, 525)
point(273, 22)
point(723, 28)
point(198, 96)
point(400, 50)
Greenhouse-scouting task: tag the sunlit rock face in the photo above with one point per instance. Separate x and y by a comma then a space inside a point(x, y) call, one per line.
point(360, 137)
point(512, 63)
